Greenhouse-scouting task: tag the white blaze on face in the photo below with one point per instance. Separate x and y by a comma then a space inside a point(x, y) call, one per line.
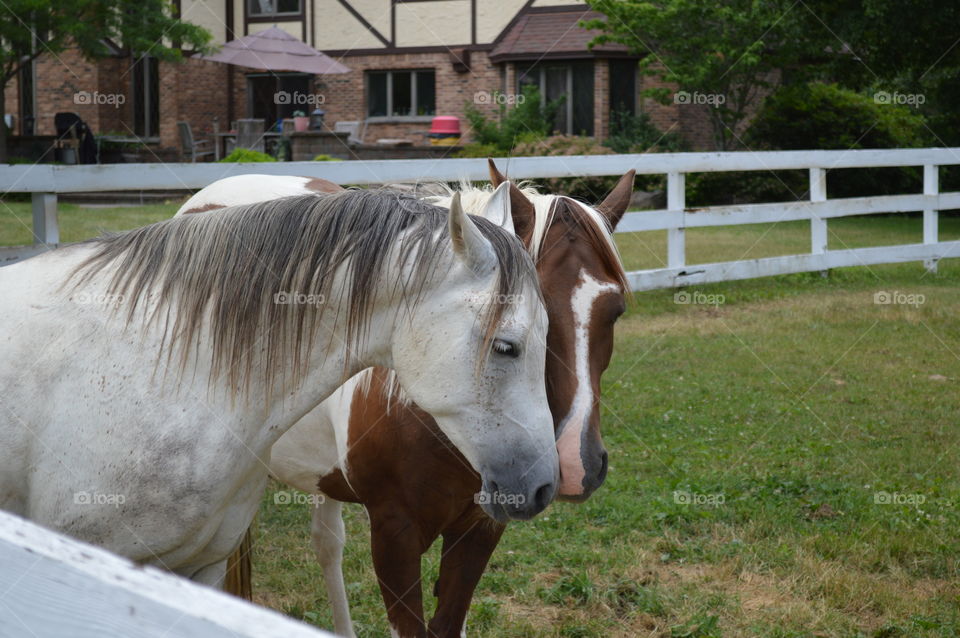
point(572, 471)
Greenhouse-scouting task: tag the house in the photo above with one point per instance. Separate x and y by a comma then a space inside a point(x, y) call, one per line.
point(409, 60)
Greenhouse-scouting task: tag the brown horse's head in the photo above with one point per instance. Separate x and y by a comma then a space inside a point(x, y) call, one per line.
point(584, 288)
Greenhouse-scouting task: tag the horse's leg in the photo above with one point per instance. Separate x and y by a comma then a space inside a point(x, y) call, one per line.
point(466, 550)
point(329, 537)
point(211, 575)
point(397, 548)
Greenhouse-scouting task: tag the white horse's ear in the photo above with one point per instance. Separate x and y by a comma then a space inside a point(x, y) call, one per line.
point(469, 244)
point(498, 208)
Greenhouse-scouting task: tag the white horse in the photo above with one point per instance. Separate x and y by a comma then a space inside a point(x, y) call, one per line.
point(145, 376)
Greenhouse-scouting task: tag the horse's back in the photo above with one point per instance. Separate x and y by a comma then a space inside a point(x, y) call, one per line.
point(248, 189)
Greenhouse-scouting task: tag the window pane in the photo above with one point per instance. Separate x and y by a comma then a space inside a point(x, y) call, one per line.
point(261, 7)
point(426, 93)
point(582, 98)
point(298, 88)
point(556, 80)
point(154, 102)
point(376, 94)
point(401, 93)
point(527, 74)
point(146, 97)
point(623, 86)
point(288, 6)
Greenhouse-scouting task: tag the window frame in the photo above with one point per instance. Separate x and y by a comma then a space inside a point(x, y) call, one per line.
point(389, 101)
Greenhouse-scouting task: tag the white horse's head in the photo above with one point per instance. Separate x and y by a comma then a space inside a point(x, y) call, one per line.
point(472, 354)
point(469, 339)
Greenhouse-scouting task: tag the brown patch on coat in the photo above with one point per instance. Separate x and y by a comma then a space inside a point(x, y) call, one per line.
point(203, 209)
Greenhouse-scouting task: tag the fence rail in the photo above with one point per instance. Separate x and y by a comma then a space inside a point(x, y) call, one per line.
point(55, 586)
point(46, 182)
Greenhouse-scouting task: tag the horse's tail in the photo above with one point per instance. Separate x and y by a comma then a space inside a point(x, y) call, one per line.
point(239, 569)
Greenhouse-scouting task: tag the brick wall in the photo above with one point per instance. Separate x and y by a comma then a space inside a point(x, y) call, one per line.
point(601, 99)
point(196, 91)
point(346, 94)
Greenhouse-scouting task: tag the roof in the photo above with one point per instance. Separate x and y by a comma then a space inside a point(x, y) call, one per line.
point(552, 34)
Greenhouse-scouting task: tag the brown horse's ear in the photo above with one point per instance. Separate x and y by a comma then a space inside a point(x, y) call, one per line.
point(521, 208)
point(496, 178)
point(615, 204)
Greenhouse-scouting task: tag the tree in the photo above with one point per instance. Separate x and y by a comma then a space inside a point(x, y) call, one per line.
point(31, 28)
point(723, 54)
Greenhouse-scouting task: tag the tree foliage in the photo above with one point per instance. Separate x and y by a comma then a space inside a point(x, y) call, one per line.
point(30, 28)
point(723, 54)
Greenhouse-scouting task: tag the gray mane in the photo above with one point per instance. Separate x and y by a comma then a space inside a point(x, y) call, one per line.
point(228, 268)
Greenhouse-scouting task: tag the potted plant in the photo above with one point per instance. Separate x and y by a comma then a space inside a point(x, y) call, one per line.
point(300, 121)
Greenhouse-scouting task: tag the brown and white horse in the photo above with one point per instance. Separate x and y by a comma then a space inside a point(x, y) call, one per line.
point(430, 490)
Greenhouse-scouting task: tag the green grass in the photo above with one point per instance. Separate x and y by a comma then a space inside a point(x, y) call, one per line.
point(78, 223)
point(789, 404)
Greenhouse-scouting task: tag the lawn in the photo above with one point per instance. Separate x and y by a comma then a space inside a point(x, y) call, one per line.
point(77, 222)
point(783, 462)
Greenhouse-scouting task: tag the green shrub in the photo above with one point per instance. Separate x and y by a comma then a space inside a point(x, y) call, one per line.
point(326, 158)
point(527, 121)
point(827, 116)
point(818, 116)
point(246, 155)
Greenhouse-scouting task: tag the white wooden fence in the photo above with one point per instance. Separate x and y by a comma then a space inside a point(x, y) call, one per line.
point(52, 586)
point(46, 181)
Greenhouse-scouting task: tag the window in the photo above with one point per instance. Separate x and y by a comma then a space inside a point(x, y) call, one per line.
point(27, 95)
point(623, 87)
point(146, 97)
point(274, 96)
point(272, 8)
point(401, 93)
point(572, 81)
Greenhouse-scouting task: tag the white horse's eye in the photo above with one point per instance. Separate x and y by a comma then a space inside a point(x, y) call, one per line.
point(506, 348)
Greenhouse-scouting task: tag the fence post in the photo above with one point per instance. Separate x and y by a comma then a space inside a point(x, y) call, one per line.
point(818, 225)
point(46, 228)
point(931, 216)
point(676, 201)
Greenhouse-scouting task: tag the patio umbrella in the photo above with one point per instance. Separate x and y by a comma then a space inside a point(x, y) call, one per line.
point(274, 49)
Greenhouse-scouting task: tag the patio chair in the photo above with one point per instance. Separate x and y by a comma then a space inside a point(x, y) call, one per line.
point(190, 147)
point(75, 143)
point(250, 135)
point(353, 128)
